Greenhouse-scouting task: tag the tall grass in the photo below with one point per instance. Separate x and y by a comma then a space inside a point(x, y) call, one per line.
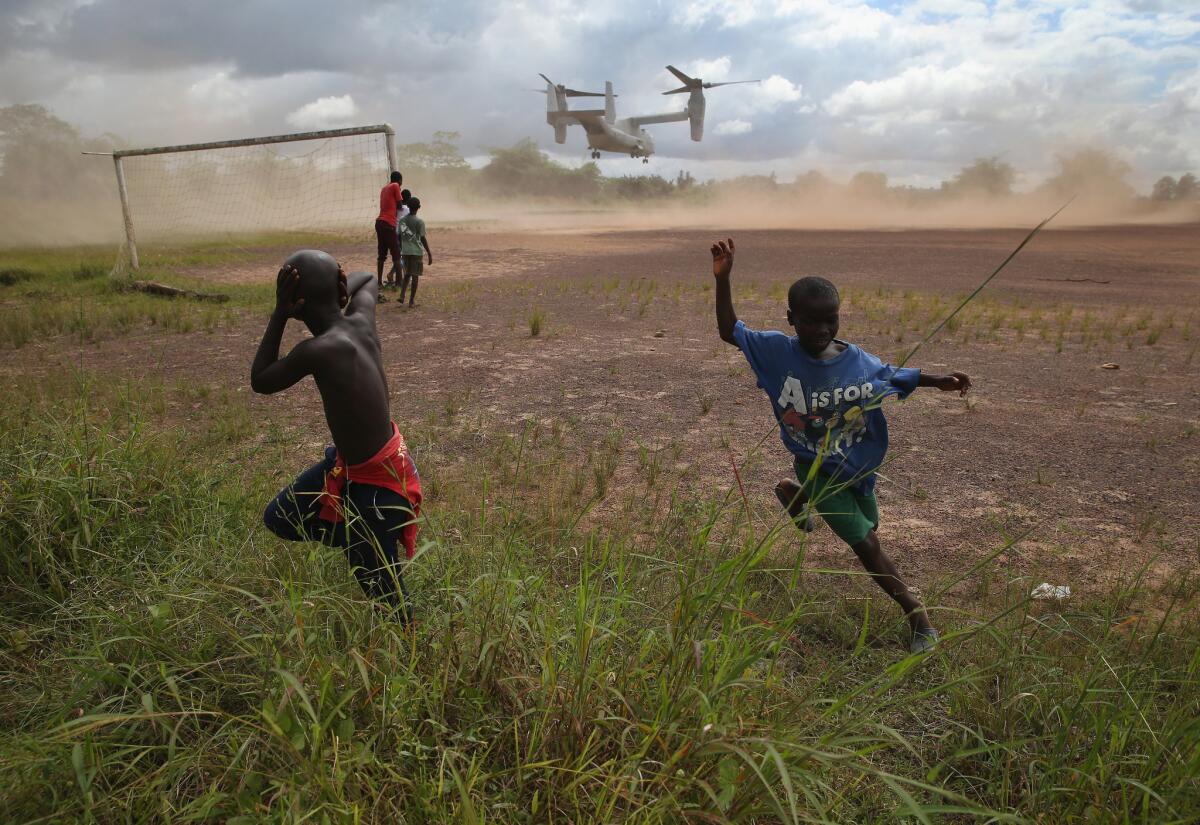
point(166, 659)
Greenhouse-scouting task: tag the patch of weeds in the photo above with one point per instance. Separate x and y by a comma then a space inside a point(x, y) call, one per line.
point(649, 463)
point(606, 461)
point(89, 272)
point(1150, 522)
point(536, 320)
point(13, 275)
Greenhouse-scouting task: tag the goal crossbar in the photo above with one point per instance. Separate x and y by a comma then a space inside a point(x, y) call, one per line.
point(130, 238)
point(384, 128)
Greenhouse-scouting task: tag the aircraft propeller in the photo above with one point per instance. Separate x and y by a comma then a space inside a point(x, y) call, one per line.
point(693, 83)
point(569, 92)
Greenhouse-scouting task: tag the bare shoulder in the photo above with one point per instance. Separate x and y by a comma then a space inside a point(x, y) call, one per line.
point(331, 346)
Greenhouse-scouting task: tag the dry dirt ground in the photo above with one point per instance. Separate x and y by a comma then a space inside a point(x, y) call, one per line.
point(1103, 463)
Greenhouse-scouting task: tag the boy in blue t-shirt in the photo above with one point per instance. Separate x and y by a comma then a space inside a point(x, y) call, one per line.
point(826, 395)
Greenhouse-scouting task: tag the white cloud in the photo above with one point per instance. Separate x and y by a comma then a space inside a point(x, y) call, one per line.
point(711, 71)
point(919, 88)
point(773, 92)
point(219, 91)
point(733, 127)
point(324, 113)
point(728, 12)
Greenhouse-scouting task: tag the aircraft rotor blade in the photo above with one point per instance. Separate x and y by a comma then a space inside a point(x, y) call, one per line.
point(577, 93)
point(548, 80)
point(678, 91)
point(682, 77)
point(729, 83)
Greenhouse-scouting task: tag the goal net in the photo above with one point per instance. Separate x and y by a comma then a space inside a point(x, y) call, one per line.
point(239, 192)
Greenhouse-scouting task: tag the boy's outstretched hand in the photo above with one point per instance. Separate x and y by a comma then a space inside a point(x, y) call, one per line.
point(954, 381)
point(722, 253)
point(288, 304)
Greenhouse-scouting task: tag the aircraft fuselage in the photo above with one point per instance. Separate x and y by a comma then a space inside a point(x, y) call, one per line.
point(621, 136)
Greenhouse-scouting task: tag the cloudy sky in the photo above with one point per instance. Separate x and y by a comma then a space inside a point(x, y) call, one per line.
point(915, 89)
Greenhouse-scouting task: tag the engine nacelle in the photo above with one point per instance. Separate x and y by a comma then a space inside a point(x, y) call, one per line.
point(696, 114)
point(560, 133)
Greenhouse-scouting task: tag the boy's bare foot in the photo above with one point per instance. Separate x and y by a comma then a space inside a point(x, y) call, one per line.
point(792, 497)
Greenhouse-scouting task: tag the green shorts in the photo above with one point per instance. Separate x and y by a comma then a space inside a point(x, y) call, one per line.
point(413, 264)
point(849, 513)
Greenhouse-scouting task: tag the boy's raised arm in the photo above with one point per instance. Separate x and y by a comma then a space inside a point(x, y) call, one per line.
point(356, 281)
point(722, 253)
point(362, 291)
point(269, 373)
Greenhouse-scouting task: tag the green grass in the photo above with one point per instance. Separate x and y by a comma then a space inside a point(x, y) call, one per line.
point(81, 293)
point(672, 659)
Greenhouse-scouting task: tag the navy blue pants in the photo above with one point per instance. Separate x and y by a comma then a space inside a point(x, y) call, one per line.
point(370, 533)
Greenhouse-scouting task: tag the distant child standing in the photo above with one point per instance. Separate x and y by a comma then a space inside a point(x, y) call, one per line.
point(826, 396)
point(412, 242)
point(394, 274)
point(385, 228)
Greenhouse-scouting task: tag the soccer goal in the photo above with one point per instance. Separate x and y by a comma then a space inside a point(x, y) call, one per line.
point(327, 181)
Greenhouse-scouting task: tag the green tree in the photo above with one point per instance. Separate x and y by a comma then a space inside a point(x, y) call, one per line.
point(1164, 189)
point(439, 155)
point(986, 176)
point(869, 184)
point(1090, 173)
point(525, 170)
point(640, 187)
point(1187, 188)
point(40, 153)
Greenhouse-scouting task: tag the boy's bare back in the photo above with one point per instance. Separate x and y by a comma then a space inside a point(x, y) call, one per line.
point(343, 356)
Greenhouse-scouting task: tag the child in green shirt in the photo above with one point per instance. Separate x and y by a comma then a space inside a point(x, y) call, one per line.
point(412, 239)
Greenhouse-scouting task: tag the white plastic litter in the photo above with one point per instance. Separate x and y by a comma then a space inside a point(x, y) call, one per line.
point(1045, 590)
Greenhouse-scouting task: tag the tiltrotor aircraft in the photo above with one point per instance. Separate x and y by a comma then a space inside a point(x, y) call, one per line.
point(607, 134)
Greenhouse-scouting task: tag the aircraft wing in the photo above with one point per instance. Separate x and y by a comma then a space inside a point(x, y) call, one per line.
point(589, 119)
point(671, 117)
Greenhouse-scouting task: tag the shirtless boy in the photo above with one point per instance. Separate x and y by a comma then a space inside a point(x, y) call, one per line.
point(364, 496)
point(826, 396)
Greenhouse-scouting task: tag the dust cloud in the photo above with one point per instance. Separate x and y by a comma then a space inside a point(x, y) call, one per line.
point(51, 194)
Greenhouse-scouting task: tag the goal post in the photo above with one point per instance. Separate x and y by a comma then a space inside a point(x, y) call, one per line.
point(328, 181)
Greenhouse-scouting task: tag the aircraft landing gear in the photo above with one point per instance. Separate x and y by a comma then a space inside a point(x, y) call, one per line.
point(595, 154)
point(645, 160)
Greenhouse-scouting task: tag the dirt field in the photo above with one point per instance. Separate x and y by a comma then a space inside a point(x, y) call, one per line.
point(1104, 461)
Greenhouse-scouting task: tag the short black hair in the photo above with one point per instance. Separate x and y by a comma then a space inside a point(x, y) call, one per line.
point(809, 288)
point(397, 177)
point(414, 204)
point(405, 193)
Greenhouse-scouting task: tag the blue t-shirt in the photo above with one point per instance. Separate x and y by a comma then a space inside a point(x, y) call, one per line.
point(831, 405)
